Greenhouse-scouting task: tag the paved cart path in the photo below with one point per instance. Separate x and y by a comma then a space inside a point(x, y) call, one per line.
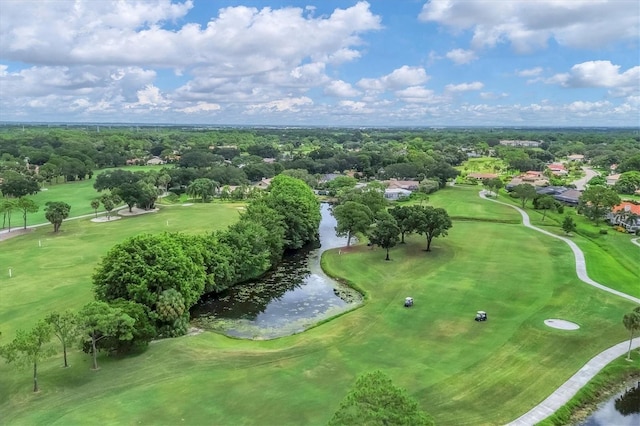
point(569, 388)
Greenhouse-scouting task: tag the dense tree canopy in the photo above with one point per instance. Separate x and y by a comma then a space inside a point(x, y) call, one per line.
point(142, 267)
point(56, 212)
point(375, 400)
point(352, 218)
point(297, 204)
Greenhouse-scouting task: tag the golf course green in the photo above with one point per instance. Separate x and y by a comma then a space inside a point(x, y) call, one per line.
point(460, 371)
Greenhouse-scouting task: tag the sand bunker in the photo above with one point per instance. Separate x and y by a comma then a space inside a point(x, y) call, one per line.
point(103, 219)
point(187, 204)
point(561, 324)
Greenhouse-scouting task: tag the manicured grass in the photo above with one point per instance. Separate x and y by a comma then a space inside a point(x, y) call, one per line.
point(57, 275)
point(462, 372)
point(77, 194)
point(611, 258)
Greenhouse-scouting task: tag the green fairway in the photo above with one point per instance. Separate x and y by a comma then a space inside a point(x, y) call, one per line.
point(461, 372)
point(53, 272)
point(77, 194)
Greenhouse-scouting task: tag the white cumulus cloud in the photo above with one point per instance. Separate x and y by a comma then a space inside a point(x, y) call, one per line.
point(528, 25)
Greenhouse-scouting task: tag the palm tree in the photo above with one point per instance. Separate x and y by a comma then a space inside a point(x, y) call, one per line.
point(631, 322)
point(95, 205)
point(202, 187)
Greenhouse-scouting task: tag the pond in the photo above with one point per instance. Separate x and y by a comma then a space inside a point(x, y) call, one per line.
point(621, 410)
point(287, 300)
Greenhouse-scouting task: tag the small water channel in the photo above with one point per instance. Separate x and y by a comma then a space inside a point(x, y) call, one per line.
point(622, 409)
point(287, 300)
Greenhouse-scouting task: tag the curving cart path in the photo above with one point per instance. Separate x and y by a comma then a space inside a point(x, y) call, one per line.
point(569, 388)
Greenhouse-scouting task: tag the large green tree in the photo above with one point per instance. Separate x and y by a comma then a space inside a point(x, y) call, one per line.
point(375, 400)
point(596, 201)
point(432, 222)
point(56, 212)
point(29, 348)
point(64, 327)
point(628, 183)
point(17, 185)
point(405, 217)
point(26, 205)
point(142, 267)
point(524, 192)
point(297, 204)
point(99, 320)
point(351, 218)
point(385, 233)
point(248, 243)
point(203, 188)
point(7, 207)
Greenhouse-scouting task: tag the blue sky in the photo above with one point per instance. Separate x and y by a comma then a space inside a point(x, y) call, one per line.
point(331, 62)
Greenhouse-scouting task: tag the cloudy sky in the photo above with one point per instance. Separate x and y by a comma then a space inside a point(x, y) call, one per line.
point(329, 62)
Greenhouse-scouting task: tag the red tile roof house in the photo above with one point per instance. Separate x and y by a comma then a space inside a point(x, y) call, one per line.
point(557, 169)
point(627, 215)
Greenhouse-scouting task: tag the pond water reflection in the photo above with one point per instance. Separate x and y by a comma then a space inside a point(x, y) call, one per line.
point(621, 410)
point(288, 300)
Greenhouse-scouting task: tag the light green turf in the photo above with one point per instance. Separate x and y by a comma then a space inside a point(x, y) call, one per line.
point(54, 271)
point(77, 194)
point(462, 372)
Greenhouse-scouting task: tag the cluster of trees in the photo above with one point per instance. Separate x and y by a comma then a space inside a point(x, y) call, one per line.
point(375, 400)
point(363, 211)
point(167, 274)
point(145, 285)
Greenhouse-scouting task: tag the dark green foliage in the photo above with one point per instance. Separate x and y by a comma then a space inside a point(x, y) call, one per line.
point(405, 217)
point(568, 225)
point(216, 259)
point(431, 222)
point(248, 243)
point(56, 212)
point(99, 320)
point(29, 348)
point(17, 185)
point(296, 203)
point(170, 306)
point(352, 217)
point(375, 400)
point(144, 330)
point(525, 192)
point(385, 233)
point(142, 267)
point(64, 326)
point(115, 178)
point(596, 201)
point(258, 211)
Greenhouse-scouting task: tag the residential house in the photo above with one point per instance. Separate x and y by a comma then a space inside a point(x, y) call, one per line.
point(263, 184)
point(612, 179)
point(570, 196)
point(396, 193)
point(576, 157)
point(410, 185)
point(155, 161)
point(557, 169)
point(627, 215)
point(551, 190)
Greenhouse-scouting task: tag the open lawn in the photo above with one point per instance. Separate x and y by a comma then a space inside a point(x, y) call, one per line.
point(460, 371)
point(57, 274)
point(611, 258)
point(77, 194)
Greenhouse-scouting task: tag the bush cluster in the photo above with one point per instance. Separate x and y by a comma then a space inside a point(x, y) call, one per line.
point(168, 273)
